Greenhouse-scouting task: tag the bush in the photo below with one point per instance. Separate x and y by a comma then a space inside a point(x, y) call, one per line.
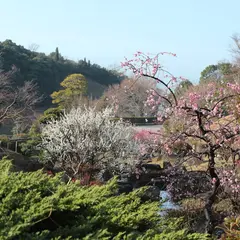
point(4, 138)
point(231, 228)
point(4, 141)
point(51, 113)
point(191, 211)
point(37, 206)
point(30, 146)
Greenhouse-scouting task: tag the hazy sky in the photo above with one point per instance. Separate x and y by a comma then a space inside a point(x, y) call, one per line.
point(105, 31)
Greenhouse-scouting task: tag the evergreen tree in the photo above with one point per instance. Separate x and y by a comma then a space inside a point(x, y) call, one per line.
point(57, 54)
point(74, 86)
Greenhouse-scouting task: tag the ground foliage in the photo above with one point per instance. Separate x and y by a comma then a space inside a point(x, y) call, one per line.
point(37, 206)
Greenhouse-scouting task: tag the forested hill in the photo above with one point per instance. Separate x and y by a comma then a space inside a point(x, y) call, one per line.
point(49, 70)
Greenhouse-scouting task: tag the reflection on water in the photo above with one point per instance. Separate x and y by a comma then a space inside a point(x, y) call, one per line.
point(167, 204)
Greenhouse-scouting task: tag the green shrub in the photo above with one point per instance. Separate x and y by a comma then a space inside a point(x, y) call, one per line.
point(30, 146)
point(220, 207)
point(231, 228)
point(192, 213)
point(37, 206)
point(4, 141)
point(4, 138)
point(50, 113)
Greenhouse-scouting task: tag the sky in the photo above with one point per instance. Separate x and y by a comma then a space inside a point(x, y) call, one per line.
point(106, 31)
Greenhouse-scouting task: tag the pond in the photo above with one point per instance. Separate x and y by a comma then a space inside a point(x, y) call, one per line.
point(167, 204)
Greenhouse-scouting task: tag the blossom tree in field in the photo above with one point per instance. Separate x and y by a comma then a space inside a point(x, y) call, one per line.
point(85, 139)
point(209, 115)
point(129, 98)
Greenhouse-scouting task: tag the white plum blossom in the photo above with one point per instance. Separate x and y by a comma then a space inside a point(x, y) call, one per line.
point(88, 137)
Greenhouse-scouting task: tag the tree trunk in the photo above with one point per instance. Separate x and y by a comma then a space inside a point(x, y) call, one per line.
point(212, 196)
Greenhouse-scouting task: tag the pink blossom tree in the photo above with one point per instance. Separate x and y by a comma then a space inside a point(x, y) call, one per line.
point(208, 114)
point(129, 98)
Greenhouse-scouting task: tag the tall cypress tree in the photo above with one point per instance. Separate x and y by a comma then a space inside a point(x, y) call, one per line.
point(57, 54)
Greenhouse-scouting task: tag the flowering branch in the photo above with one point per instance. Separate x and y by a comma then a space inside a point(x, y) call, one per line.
point(208, 114)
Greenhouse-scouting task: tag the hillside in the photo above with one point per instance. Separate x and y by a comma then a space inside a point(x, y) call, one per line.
point(95, 89)
point(49, 70)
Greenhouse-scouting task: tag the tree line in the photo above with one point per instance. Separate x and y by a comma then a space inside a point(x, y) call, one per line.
point(47, 71)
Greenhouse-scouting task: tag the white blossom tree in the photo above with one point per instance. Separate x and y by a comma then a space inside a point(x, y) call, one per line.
point(85, 139)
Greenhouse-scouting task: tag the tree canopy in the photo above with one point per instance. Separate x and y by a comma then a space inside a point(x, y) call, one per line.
point(217, 72)
point(129, 98)
point(74, 85)
point(49, 70)
point(182, 87)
